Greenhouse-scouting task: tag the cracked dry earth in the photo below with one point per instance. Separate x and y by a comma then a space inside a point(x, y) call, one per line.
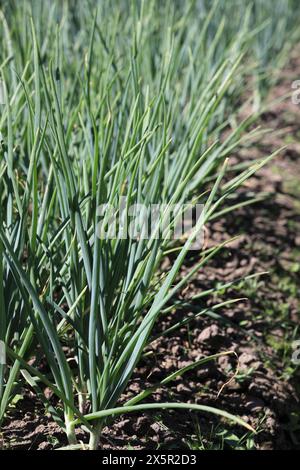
point(259, 329)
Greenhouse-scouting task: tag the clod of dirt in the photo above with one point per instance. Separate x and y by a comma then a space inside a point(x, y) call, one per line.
point(211, 335)
point(254, 404)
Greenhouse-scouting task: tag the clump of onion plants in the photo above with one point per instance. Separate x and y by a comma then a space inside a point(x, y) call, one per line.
point(97, 112)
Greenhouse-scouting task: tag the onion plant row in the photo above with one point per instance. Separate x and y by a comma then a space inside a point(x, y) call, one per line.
point(103, 101)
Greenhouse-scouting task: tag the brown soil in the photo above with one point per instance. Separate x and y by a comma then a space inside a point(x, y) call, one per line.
point(260, 330)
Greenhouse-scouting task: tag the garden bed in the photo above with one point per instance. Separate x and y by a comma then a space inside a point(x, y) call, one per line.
point(261, 329)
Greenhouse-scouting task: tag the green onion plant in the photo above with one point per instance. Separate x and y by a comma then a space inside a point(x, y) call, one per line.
point(103, 102)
